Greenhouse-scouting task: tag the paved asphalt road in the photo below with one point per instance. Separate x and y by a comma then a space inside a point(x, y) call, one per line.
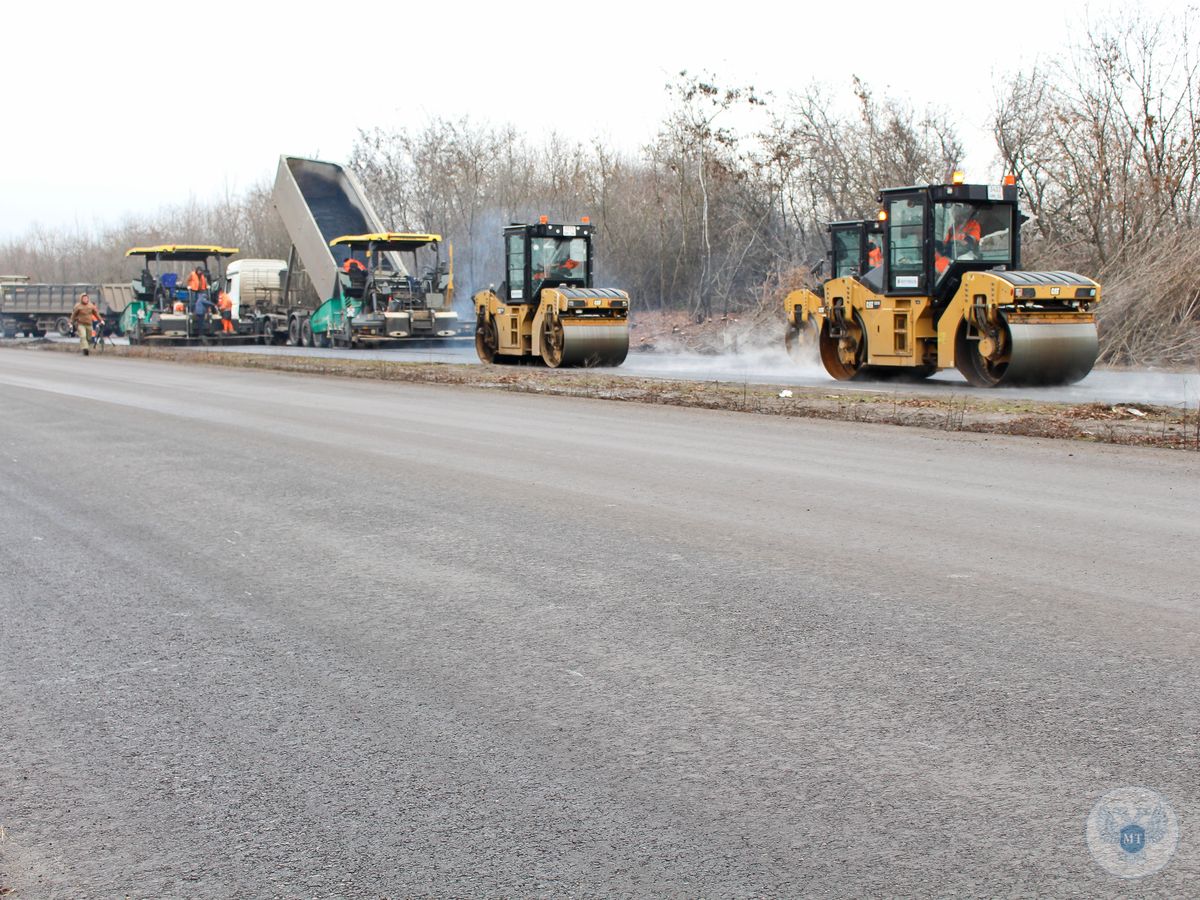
point(270, 635)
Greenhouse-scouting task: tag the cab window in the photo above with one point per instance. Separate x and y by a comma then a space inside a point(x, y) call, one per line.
point(906, 244)
point(516, 267)
point(971, 232)
point(845, 252)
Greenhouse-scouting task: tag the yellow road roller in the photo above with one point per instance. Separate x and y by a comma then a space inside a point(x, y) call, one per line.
point(546, 308)
point(936, 282)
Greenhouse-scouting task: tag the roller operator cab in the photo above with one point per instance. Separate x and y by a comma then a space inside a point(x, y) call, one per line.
point(378, 297)
point(546, 308)
point(935, 282)
point(162, 307)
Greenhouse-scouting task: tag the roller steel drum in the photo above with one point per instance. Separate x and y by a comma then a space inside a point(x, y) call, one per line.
point(587, 344)
point(1042, 354)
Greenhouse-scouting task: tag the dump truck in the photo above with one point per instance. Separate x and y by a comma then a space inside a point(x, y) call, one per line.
point(161, 309)
point(945, 290)
point(36, 309)
point(546, 308)
point(330, 222)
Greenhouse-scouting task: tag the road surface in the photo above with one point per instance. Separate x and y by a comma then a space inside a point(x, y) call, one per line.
point(274, 635)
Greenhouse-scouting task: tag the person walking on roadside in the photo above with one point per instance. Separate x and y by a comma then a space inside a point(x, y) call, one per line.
point(83, 315)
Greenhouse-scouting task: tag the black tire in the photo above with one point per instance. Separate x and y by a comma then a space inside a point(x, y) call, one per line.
point(293, 338)
point(63, 326)
point(306, 333)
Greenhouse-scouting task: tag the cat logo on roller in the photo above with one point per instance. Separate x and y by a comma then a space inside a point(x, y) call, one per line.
point(935, 283)
point(546, 308)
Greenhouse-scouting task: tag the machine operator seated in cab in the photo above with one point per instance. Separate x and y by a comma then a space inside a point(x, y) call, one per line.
point(970, 233)
point(353, 276)
point(558, 261)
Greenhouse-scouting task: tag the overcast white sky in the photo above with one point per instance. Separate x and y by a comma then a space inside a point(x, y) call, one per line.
point(116, 109)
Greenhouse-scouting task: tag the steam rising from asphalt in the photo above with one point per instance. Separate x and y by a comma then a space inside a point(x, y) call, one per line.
point(763, 360)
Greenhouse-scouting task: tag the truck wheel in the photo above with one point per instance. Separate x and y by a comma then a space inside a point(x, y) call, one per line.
point(63, 326)
point(306, 334)
point(266, 332)
point(293, 337)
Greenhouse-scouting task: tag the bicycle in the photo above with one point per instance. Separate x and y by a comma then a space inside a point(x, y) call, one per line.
point(100, 337)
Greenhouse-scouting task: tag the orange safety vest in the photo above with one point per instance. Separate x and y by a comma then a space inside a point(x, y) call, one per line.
point(874, 257)
point(970, 229)
point(353, 262)
point(197, 282)
point(223, 301)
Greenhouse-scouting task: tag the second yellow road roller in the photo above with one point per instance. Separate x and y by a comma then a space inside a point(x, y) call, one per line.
point(935, 283)
point(546, 308)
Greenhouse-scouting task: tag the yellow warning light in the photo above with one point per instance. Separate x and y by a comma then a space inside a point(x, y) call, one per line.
point(882, 217)
point(586, 220)
point(1010, 180)
point(543, 219)
point(958, 178)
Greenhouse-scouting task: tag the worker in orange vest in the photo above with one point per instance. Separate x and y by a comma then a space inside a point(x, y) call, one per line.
point(966, 230)
point(874, 255)
point(225, 305)
point(196, 283)
point(353, 264)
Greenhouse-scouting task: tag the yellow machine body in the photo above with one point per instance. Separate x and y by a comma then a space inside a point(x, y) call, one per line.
point(565, 327)
point(997, 324)
point(547, 309)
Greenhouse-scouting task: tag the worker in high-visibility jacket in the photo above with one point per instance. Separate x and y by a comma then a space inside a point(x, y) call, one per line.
point(225, 306)
point(196, 284)
point(966, 231)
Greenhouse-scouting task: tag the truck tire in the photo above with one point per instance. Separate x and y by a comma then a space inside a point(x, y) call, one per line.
point(266, 332)
point(63, 326)
point(306, 334)
point(293, 338)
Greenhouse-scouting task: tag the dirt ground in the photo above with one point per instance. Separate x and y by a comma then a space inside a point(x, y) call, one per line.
point(1142, 425)
point(677, 330)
